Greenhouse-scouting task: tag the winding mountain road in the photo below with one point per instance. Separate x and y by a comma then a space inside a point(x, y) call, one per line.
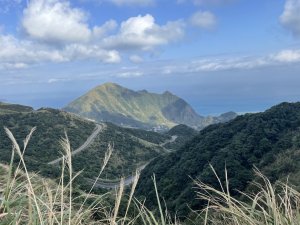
point(107, 184)
point(173, 138)
point(91, 138)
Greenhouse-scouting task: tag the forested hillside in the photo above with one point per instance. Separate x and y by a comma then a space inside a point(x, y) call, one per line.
point(182, 133)
point(13, 108)
point(268, 140)
point(132, 148)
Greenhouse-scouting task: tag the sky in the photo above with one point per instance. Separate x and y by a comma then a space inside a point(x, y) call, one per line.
point(218, 55)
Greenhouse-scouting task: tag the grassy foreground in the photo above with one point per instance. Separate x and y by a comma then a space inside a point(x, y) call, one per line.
point(26, 198)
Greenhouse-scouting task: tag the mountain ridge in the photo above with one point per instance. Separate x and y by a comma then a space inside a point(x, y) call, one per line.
point(111, 102)
point(133, 147)
point(268, 140)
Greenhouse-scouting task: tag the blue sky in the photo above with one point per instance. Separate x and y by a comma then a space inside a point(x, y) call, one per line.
point(219, 55)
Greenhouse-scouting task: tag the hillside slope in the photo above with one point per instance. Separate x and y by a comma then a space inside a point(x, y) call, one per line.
point(114, 103)
point(13, 108)
point(182, 133)
point(132, 147)
point(268, 140)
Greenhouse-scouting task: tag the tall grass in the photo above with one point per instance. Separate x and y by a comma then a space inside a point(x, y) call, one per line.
point(270, 204)
point(29, 199)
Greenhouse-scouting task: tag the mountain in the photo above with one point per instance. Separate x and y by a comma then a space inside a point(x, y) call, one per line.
point(13, 108)
point(113, 103)
point(132, 147)
point(269, 140)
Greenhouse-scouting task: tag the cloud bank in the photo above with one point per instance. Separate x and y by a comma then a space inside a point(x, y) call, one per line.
point(58, 32)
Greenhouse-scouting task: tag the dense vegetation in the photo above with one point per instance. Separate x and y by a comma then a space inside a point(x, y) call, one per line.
point(133, 148)
point(183, 134)
point(268, 140)
point(114, 103)
point(13, 108)
point(27, 198)
point(44, 146)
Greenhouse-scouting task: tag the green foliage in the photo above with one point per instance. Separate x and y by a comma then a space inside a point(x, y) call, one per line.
point(13, 108)
point(183, 134)
point(30, 199)
point(249, 140)
point(51, 126)
point(133, 148)
point(27, 198)
point(130, 152)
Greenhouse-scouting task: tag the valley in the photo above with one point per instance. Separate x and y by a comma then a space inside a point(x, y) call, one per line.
point(133, 148)
point(178, 157)
point(149, 112)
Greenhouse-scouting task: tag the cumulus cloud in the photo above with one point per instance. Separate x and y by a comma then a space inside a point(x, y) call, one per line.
point(14, 51)
point(57, 32)
point(101, 31)
point(55, 21)
point(290, 18)
point(143, 33)
point(19, 54)
point(203, 19)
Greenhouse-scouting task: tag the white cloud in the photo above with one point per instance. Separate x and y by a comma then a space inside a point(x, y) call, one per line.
point(16, 53)
point(142, 33)
point(55, 21)
point(101, 31)
point(130, 74)
point(57, 32)
point(288, 56)
point(228, 64)
point(56, 80)
point(81, 52)
point(282, 58)
point(13, 66)
point(136, 59)
point(203, 19)
point(290, 17)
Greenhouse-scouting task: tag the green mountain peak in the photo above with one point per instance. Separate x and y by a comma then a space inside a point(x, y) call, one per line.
point(111, 102)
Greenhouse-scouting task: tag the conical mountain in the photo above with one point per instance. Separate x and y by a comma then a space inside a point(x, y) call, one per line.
point(142, 109)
